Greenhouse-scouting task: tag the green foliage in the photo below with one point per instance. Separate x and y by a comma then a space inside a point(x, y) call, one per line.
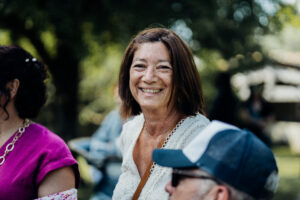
point(96, 89)
point(50, 42)
point(208, 67)
point(5, 37)
point(287, 15)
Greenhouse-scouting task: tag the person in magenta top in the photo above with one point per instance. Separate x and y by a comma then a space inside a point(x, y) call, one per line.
point(34, 162)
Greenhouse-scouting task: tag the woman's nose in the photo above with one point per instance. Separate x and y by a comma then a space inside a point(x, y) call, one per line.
point(169, 188)
point(149, 75)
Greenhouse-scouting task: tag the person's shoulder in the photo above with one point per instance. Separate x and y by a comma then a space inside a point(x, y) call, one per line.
point(44, 136)
point(113, 114)
point(131, 129)
point(134, 120)
point(189, 129)
point(198, 119)
point(193, 123)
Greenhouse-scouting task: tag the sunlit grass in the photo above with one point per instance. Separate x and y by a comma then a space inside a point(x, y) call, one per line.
point(289, 172)
point(289, 167)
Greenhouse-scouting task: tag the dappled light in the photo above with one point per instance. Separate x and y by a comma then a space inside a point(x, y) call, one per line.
point(82, 44)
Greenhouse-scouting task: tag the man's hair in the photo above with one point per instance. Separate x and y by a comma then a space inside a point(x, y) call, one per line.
point(238, 195)
point(234, 194)
point(186, 85)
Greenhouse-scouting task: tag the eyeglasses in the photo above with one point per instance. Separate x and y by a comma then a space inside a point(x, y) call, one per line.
point(178, 175)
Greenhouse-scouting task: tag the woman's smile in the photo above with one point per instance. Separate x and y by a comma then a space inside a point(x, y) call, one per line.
point(153, 91)
point(150, 92)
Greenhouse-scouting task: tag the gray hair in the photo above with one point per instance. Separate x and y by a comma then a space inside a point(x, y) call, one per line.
point(234, 193)
point(237, 194)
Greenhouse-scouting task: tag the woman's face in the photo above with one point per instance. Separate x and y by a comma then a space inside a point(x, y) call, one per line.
point(151, 76)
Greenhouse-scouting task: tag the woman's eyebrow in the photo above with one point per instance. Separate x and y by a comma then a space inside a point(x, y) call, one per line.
point(139, 59)
point(162, 60)
point(144, 60)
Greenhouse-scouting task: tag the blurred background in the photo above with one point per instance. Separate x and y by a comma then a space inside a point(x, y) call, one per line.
point(255, 42)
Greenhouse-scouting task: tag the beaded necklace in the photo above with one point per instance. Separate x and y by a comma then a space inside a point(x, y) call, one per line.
point(167, 140)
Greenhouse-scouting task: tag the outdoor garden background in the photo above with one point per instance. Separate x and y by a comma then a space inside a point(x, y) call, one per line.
point(82, 43)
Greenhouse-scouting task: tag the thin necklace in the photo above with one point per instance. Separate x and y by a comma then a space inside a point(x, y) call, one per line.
point(167, 140)
point(10, 146)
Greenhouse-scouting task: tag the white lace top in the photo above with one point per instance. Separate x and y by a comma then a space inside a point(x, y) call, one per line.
point(130, 178)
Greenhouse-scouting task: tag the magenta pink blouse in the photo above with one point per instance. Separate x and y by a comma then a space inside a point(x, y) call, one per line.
point(37, 152)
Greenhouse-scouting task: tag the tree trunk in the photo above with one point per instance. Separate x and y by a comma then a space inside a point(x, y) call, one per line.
point(65, 75)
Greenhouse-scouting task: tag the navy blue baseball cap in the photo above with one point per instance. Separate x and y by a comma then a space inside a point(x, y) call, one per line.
point(236, 157)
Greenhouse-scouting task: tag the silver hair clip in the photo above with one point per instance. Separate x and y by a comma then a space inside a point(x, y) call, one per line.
point(33, 60)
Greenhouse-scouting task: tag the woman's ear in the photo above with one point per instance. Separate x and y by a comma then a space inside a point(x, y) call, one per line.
point(13, 87)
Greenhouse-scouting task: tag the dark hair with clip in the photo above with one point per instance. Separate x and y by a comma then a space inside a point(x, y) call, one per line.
point(16, 63)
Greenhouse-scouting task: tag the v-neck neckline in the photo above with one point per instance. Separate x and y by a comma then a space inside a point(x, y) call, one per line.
point(3, 147)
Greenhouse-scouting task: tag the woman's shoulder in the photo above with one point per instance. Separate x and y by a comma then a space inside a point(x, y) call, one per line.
point(134, 122)
point(130, 132)
point(187, 130)
point(195, 124)
point(50, 150)
point(198, 120)
point(43, 136)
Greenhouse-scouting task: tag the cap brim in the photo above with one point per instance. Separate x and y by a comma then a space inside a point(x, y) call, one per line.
point(171, 158)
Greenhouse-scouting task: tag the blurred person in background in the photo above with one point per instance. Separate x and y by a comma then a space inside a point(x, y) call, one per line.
point(99, 156)
point(160, 86)
point(257, 114)
point(222, 163)
point(34, 162)
point(103, 148)
point(225, 105)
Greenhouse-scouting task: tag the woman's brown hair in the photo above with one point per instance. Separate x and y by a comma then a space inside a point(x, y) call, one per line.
point(186, 85)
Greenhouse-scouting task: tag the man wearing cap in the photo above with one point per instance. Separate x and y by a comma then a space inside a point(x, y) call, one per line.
point(222, 162)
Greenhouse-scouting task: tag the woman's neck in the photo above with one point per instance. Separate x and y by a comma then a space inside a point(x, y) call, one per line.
point(160, 124)
point(8, 126)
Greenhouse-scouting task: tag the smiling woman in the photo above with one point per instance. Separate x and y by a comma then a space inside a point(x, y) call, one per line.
point(160, 90)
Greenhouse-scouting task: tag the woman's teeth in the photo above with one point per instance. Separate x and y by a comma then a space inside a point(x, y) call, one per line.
point(151, 90)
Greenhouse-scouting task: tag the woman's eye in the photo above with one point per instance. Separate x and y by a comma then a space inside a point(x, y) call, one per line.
point(139, 66)
point(164, 67)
